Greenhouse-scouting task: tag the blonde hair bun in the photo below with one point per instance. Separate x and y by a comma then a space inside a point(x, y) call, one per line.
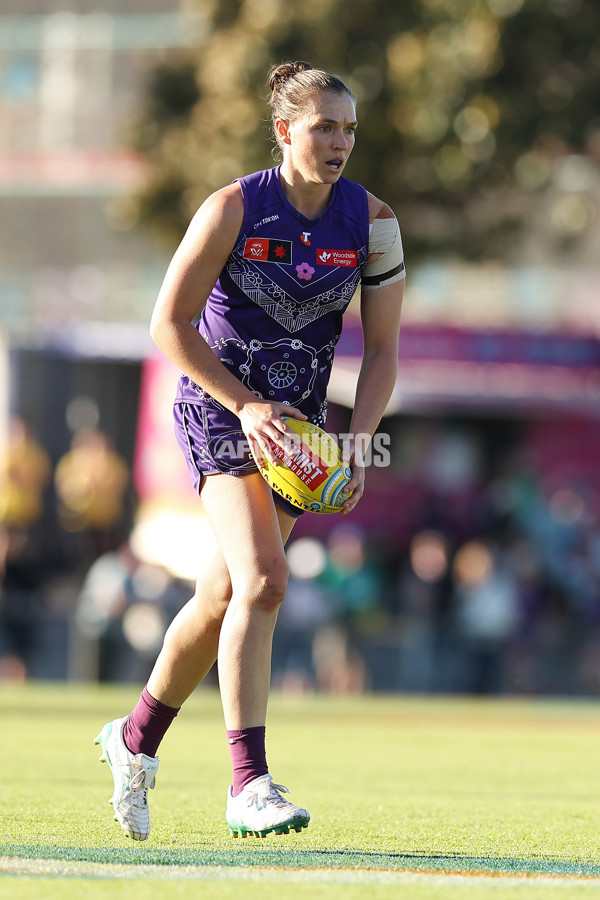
point(278, 75)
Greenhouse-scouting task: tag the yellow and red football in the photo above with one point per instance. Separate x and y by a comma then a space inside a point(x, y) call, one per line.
point(311, 474)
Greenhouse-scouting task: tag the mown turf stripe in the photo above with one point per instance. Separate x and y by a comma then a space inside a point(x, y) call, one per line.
point(302, 859)
point(106, 871)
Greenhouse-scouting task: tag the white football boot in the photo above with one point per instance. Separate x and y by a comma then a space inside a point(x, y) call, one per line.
point(133, 774)
point(260, 809)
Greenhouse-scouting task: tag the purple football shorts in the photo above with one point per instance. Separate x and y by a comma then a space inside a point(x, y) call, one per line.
point(213, 443)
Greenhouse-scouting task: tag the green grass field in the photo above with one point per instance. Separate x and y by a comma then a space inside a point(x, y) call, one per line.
point(412, 797)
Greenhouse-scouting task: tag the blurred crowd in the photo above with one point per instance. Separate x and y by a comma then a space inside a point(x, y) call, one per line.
point(487, 581)
point(88, 487)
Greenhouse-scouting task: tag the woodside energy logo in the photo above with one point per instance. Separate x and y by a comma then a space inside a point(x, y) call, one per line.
point(347, 258)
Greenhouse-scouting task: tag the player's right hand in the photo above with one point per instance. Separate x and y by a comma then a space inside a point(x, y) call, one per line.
point(262, 423)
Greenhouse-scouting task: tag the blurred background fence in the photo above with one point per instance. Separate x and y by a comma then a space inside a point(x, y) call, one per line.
point(473, 562)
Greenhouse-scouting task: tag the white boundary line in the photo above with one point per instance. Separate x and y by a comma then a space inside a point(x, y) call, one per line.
point(92, 870)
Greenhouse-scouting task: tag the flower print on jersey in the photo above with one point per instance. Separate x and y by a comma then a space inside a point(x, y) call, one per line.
point(348, 290)
point(255, 279)
point(305, 272)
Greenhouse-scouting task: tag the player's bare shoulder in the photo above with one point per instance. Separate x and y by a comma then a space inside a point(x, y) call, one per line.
point(224, 208)
point(216, 224)
point(378, 209)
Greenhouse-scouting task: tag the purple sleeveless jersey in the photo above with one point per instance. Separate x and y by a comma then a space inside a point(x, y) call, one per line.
point(275, 314)
point(274, 317)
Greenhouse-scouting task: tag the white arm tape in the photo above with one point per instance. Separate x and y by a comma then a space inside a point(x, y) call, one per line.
point(384, 238)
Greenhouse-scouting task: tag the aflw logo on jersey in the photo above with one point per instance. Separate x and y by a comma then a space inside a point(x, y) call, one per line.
point(268, 250)
point(337, 258)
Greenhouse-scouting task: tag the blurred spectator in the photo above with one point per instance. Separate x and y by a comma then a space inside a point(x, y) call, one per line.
point(21, 578)
point(24, 473)
point(91, 481)
point(306, 607)
point(352, 575)
point(104, 597)
point(426, 637)
point(340, 669)
point(123, 610)
point(487, 615)
point(329, 585)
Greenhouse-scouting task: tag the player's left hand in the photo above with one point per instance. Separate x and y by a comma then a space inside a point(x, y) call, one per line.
point(353, 457)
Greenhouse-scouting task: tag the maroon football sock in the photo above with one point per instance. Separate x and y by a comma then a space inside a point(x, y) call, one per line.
point(248, 755)
point(147, 725)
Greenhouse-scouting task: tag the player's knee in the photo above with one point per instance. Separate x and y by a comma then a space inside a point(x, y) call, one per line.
point(212, 614)
point(213, 604)
point(268, 588)
point(212, 595)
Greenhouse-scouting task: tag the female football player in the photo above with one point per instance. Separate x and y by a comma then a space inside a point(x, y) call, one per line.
point(271, 262)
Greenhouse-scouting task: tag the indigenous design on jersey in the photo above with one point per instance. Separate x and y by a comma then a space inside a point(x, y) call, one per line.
point(275, 314)
point(284, 366)
point(280, 296)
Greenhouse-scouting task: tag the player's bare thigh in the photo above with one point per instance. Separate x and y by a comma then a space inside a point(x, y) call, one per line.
point(250, 529)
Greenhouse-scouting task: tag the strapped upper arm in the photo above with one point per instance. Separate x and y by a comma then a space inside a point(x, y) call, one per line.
point(386, 255)
point(381, 300)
